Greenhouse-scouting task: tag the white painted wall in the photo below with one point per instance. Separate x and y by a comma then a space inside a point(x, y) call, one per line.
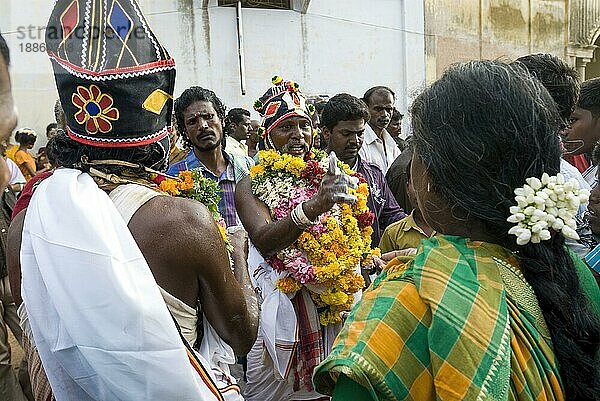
point(337, 46)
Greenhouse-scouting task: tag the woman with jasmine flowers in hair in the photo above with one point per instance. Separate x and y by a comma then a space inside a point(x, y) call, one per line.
point(496, 308)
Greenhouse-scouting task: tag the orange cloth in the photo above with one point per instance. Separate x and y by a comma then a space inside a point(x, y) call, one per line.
point(10, 152)
point(21, 157)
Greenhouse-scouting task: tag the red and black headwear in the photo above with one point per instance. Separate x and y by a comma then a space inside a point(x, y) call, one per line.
point(114, 78)
point(279, 102)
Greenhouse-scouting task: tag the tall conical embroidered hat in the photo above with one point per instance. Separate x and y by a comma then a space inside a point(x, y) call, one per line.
point(114, 78)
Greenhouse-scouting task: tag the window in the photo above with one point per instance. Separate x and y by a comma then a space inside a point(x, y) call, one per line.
point(276, 4)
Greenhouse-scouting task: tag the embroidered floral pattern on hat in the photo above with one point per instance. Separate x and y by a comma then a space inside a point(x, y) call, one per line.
point(96, 109)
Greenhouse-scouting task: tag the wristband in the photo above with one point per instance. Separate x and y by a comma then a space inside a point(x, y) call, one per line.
point(300, 219)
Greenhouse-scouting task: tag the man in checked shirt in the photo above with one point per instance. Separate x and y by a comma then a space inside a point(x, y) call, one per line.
point(199, 114)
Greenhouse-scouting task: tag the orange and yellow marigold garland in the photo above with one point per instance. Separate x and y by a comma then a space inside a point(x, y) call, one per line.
point(329, 254)
point(192, 184)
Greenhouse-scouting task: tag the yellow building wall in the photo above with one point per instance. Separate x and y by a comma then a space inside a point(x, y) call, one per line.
point(461, 30)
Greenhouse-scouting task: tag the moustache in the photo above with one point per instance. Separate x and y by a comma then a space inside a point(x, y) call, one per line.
point(206, 134)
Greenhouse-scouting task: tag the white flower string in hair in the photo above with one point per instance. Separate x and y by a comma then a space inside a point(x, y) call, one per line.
point(546, 205)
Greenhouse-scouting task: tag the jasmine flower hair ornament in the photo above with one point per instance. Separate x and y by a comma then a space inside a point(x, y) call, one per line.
point(546, 205)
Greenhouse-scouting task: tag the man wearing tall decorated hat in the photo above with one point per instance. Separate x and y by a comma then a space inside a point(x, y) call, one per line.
point(310, 230)
point(119, 281)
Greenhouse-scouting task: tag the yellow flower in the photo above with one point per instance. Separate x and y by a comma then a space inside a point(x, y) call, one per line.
point(257, 171)
point(368, 256)
point(317, 299)
point(363, 189)
point(288, 285)
point(223, 232)
point(280, 164)
point(345, 168)
point(376, 252)
point(328, 317)
point(339, 249)
point(186, 181)
point(361, 204)
point(268, 157)
point(296, 166)
point(346, 209)
point(329, 271)
point(169, 186)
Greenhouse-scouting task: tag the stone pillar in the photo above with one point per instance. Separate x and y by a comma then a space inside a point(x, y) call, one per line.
point(579, 55)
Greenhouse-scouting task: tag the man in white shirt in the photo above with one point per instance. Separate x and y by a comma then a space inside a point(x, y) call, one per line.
point(237, 129)
point(17, 180)
point(378, 146)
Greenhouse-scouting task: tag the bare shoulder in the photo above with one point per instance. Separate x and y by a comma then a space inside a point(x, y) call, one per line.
point(183, 227)
point(168, 213)
point(182, 245)
point(244, 197)
point(244, 187)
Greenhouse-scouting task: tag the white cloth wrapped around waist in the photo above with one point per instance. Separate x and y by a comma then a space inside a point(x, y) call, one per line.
point(213, 348)
point(278, 322)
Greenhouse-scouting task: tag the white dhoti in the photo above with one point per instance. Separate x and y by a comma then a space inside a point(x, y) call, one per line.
point(271, 360)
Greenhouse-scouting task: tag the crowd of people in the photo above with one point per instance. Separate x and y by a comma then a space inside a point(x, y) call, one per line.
point(154, 243)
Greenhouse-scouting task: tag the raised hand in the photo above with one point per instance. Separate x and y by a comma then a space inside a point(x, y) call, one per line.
point(333, 189)
point(336, 183)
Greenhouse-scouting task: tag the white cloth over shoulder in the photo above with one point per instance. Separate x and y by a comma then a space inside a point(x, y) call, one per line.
point(97, 316)
point(217, 353)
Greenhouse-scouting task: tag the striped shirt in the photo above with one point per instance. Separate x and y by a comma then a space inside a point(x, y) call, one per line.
point(591, 175)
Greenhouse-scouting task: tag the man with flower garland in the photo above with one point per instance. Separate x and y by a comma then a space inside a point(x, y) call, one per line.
point(343, 120)
point(294, 335)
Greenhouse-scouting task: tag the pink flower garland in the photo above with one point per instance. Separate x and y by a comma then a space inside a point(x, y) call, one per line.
point(286, 205)
point(296, 263)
